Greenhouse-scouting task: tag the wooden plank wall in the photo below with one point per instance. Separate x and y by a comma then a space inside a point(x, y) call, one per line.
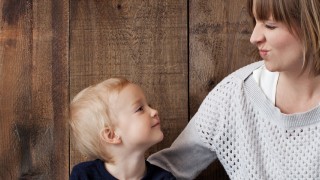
point(51, 49)
point(144, 41)
point(34, 89)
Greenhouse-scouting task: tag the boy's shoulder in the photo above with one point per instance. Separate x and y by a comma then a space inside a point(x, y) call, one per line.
point(95, 170)
point(157, 173)
point(90, 170)
point(88, 165)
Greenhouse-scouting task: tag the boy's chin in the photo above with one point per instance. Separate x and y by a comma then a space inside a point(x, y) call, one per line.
point(159, 137)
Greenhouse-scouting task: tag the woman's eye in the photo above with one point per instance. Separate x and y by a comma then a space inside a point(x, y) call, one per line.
point(270, 26)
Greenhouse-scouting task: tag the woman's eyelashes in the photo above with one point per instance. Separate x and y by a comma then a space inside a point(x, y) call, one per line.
point(270, 26)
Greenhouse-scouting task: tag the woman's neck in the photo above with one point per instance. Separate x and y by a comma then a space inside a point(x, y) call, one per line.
point(297, 93)
point(129, 167)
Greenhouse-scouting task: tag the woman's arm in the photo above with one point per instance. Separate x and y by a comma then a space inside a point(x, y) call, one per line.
point(187, 156)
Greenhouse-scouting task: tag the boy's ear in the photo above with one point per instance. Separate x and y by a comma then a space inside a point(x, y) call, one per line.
point(109, 136)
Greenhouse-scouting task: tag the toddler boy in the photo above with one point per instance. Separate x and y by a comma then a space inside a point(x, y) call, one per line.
point(113, 124)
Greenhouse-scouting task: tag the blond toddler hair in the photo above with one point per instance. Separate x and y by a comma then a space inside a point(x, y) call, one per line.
point(90, 114)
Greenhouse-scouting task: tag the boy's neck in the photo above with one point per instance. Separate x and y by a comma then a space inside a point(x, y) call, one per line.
point(127, 167)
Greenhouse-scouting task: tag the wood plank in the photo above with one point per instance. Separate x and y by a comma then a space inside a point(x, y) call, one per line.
point(144, 41)
point(33, 90)
point(60, 88)
point(219, 44)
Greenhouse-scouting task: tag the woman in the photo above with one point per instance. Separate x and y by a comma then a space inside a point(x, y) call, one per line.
point(262, 121)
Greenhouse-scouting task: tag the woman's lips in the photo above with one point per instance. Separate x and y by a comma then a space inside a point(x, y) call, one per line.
point(263, 53)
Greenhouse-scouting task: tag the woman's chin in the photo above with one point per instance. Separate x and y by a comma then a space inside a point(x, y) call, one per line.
point(271, 67)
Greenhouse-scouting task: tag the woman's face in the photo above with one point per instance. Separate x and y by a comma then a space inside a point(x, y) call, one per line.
point(281, 50)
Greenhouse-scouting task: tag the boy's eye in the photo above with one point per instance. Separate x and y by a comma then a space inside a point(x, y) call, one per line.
point(139, 109)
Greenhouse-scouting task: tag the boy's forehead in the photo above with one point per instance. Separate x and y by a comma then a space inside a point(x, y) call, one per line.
point(129, 94)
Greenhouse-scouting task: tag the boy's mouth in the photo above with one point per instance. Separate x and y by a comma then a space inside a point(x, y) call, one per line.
point(157, 124)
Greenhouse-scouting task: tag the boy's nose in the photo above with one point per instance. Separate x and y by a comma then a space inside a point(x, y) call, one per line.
point(154, 112)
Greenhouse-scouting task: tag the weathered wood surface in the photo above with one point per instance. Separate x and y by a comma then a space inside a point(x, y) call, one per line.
point(33, 89)
point(44, 63)
point(144, 41)
point(219, 44)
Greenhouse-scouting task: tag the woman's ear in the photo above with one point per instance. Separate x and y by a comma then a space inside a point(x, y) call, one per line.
point(108, 135)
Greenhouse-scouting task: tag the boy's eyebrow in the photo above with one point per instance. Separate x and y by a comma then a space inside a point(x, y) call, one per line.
point(137, 101)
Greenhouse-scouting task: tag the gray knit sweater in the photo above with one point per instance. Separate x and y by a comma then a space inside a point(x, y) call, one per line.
point(240, 126)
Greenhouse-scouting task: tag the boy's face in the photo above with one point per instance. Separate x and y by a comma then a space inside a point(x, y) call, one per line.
point(137, 123)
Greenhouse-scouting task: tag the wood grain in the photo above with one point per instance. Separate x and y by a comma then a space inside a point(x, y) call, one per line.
point(33, 90)
point(219, 44)
point(50, 50)
point(144, 41)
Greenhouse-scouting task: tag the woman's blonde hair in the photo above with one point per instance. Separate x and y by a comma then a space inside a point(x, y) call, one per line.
point(90, 114)
point(301, 17)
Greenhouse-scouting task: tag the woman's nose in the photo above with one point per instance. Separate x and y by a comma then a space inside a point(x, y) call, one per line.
point(257, 35)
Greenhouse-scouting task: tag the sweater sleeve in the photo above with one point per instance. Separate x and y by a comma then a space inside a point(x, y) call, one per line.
point(186, 157)
point(195, 148)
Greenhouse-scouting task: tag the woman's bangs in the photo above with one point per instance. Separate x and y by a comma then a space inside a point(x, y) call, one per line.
point(262, 9)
